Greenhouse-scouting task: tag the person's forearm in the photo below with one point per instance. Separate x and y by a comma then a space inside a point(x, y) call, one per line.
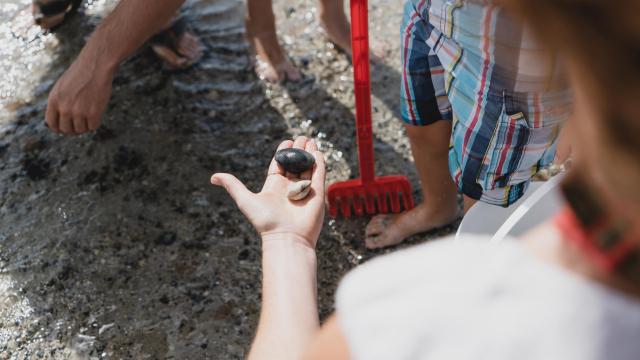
point(289, 315)
point(130, 24)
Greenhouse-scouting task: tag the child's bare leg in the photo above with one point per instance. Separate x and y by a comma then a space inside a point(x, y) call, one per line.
point(335, 23)
point(430, 148)
point(468, 203)
point(273, 64)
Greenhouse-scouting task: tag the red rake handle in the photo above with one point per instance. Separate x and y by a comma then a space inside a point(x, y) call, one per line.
point(362, 87)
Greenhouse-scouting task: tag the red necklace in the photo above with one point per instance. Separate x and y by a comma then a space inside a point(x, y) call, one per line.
point(605, 240)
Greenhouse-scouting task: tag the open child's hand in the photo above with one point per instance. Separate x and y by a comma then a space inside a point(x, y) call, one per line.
point(270, 211)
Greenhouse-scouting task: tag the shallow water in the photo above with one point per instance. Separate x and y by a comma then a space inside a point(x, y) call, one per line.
point(113, 244)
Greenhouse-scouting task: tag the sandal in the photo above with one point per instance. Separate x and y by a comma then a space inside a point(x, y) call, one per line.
point(177, 46)
point(46, 10)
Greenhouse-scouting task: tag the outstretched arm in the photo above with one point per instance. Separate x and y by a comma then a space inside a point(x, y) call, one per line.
point(80, 96)
point(289, 231)
point(289, 315)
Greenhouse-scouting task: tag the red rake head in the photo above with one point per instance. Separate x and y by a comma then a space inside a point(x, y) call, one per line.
point(379, 196)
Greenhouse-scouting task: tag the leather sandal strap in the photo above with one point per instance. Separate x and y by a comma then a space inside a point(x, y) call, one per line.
point(54, 7)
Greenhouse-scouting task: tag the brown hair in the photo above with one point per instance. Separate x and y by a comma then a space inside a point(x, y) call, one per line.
point(602, 39)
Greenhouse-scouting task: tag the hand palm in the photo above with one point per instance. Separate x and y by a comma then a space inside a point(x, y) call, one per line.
point(270, 211)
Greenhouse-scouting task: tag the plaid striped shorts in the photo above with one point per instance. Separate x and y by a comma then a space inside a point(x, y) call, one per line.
point(469, 63)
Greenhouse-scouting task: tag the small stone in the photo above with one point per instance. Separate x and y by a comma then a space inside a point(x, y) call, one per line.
point(36, 168)
point(243, 255)
point(104, 328)
point(295, 161)
point(299, 190)
point(33, 144)
point(166, 238)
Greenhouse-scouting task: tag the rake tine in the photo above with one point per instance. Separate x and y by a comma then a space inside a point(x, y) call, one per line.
point(395, 200)
point(345, 206)
point(358, 203)
point(369, 204)
point(333, 207)
point(382, 201)
point(333, 210)
point(334, 202)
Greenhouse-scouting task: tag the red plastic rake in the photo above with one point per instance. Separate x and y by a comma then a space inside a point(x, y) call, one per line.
point(368, 193)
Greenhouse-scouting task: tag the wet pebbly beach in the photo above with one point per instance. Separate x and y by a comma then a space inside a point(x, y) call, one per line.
point(113, 245)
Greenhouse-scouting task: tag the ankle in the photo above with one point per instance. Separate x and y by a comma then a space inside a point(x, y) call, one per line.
point(266, 46)
point(328, 18)
point(441, 210)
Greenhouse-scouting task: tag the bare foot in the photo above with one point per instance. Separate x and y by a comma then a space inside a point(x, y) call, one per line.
point(272, 64)
point(387, 230)
point(177, 46)
point(278, 72)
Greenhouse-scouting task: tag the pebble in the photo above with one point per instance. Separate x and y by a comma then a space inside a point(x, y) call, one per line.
point(104, 328)
point(33, 144)
point(295, 161)
point(166, 238)
point(299, 190)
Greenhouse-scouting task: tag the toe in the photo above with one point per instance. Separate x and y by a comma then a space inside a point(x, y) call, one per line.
point(190, 47)
point(373, 242)
point(388, 237)
point(383, 231)
point(376, 232)
point(168, 56)
point(377, 225)
point(292, 73)
point(267, 72)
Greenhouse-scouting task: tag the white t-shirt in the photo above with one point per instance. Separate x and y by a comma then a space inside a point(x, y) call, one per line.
point(474, 300)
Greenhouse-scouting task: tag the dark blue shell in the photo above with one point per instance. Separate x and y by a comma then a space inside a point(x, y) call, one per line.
point(295, 160)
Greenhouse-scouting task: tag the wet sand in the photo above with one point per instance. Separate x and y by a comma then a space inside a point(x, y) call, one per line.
point(113, 244)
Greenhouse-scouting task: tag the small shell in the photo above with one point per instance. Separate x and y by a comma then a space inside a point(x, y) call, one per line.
point(299, 189)
point(548, 172)
point(295, 160)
